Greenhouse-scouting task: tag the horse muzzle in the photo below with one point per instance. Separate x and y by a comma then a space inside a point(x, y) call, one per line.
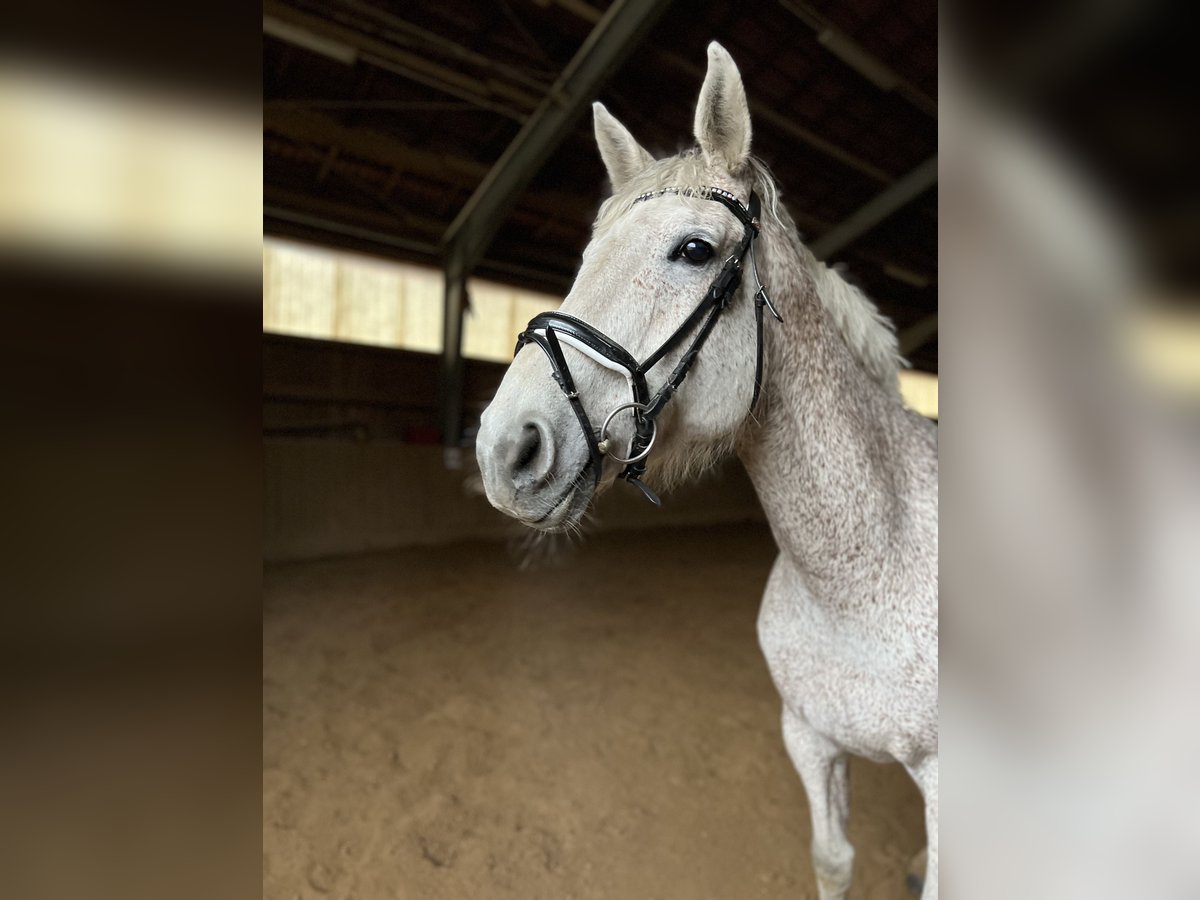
point(534, 473)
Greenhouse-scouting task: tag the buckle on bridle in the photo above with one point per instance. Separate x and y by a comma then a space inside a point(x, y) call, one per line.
point(726, 282)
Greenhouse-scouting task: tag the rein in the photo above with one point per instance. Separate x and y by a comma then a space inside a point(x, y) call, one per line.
point(550, 330)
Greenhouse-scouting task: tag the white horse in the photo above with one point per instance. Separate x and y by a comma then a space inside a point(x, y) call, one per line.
point(848, 478)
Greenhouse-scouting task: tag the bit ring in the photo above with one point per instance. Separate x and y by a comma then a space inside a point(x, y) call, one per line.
point(603, 441)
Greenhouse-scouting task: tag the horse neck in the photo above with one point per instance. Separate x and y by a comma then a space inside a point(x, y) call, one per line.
point(826, 457)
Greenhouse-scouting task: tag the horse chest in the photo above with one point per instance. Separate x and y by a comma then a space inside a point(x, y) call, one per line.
point(859, 680)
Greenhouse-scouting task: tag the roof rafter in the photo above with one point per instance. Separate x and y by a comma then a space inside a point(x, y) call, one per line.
point(493, 93)
point(875, 210)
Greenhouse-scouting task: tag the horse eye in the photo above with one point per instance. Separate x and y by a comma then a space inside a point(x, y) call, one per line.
point(696, 251)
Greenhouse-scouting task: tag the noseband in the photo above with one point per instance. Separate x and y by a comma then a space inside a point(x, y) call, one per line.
point(550, 330)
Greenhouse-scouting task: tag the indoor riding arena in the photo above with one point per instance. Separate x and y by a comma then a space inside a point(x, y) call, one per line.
point(457, 705)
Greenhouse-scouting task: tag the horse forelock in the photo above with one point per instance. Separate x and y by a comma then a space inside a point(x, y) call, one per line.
point(869, 335)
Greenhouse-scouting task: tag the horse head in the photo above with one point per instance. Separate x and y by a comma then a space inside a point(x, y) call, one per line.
point(659, 298)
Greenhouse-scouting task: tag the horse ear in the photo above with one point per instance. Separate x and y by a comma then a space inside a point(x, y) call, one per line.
point(622, 155)
point(722, 114)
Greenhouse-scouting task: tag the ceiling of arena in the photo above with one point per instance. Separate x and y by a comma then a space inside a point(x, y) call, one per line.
point(381, 119)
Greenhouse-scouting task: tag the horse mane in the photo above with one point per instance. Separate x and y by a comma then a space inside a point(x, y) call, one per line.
point(869, 335)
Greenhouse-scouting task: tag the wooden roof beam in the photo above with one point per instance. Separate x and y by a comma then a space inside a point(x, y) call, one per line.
point(875, 210)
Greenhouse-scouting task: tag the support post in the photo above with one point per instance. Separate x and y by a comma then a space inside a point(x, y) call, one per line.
point(453, 367)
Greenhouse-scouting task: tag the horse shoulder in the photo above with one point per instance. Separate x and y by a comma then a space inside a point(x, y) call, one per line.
point(867, 681)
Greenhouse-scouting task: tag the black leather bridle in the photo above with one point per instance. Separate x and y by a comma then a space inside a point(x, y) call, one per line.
point(550, 330)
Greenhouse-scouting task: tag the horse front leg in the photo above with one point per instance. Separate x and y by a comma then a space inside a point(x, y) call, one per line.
point(823, 770)
point(925, 774)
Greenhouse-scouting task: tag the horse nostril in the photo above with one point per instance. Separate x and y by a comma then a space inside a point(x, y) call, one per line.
point(527, 448)
point(532, 457)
